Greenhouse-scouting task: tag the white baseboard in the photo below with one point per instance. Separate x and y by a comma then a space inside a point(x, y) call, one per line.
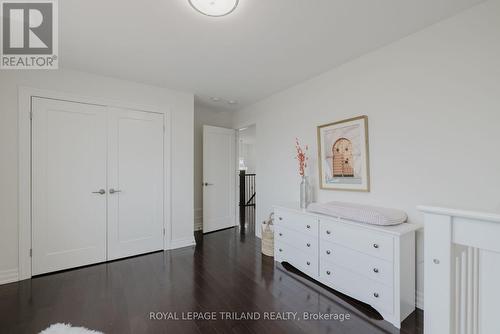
point(184, 242)
point(198, 219)
point(419, 299)
point(9, 276)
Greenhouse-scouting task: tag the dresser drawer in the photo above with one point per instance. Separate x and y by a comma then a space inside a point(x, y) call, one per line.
point(363, 240)
point(368, 266)
point(304, 262)
point(302, 241)
point(301, 223)
point(357, 286)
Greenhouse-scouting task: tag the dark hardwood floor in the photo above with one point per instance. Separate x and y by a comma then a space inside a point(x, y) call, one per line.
point(225, 272)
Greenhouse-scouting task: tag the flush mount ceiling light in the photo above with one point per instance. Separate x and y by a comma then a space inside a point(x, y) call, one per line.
point(218, 99)
point(214, 7)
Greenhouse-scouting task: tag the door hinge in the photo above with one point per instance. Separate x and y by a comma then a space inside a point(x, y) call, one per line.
point(31, 115)
point(31, 252)
point(163, 231)
point(164, 128)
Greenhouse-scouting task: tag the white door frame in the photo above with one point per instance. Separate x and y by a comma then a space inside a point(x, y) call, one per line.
point(237, 178)
point(25, 95)
point(257, 225)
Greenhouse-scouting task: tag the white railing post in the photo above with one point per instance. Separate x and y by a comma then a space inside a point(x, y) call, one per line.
point(438, 266)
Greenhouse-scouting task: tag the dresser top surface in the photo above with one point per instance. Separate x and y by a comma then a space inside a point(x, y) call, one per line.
point(400, 229)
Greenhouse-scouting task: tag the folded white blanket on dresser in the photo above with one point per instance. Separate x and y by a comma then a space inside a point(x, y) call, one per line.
point(360, 213)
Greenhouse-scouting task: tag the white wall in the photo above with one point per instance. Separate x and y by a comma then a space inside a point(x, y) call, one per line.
point(204, 116)
point(433, 102)
point(246, 151)
point(83, 84)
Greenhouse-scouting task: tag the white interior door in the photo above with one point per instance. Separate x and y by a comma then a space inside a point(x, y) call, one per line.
point(68, 185)
point(219, 178)
point(135, 183)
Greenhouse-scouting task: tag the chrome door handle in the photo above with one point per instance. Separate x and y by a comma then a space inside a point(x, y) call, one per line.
point(112, 191)
point(100, 191)
point(206, 184)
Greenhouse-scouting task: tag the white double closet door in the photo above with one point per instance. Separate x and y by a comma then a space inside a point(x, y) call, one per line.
point(97, 184)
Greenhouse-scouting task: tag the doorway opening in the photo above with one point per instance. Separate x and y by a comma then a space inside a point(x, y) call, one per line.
point(247, 191)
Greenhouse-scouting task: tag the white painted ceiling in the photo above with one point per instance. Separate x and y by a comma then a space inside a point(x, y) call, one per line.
point(264, 46)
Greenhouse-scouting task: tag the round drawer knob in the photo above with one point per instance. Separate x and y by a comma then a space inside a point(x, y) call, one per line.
point(308, 263)
point(375, 245)
point(375, 295)
point(280, 250)
point(375, 270)
point(281, 234)
point(308, 245)
point(328, 272)
point(328, 232)
point(328, 252)
point(308, 226)
point(280, 218)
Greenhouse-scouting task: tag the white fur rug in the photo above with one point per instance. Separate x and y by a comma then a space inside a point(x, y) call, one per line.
point(67, 329)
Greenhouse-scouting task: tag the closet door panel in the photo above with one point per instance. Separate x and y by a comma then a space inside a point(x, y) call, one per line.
point(135, 183)
point(68, 170)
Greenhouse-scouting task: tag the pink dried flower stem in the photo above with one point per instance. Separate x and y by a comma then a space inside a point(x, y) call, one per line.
point(301, 157)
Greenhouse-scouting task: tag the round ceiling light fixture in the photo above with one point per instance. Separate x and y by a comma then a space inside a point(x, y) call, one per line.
point(214, 7)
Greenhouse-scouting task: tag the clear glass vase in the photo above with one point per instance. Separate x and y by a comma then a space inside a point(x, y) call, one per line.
point(305, 192)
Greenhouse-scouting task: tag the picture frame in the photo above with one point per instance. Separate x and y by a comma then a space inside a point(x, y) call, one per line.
point(343, 155)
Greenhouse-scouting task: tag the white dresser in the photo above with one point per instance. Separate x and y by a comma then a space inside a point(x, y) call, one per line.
point(373, 264)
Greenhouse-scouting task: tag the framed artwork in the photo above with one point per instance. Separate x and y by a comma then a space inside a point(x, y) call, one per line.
point(343, 155)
